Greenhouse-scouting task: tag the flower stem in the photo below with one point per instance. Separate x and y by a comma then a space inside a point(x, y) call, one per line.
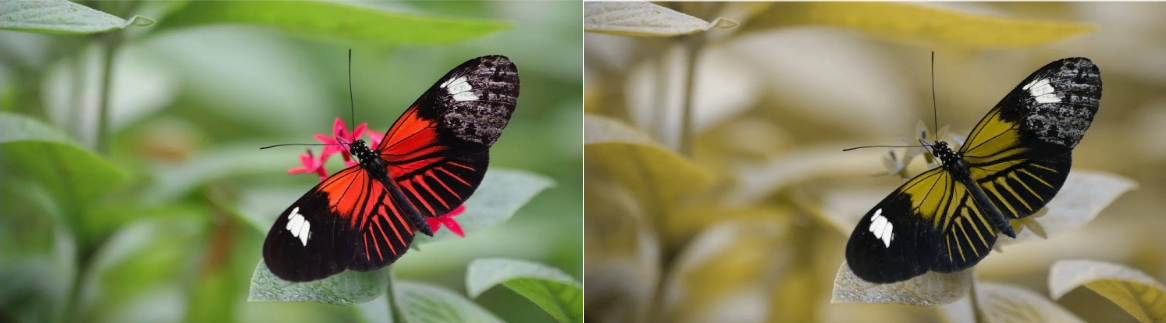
point(394, 311)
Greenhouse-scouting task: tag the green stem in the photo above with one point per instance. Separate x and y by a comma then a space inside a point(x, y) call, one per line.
point(394, 311)
point(110, 44)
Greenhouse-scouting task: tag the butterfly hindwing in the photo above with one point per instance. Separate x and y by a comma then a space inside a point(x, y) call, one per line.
point(1018, 156)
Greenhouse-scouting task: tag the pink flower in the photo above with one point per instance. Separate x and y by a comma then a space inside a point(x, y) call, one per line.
point(311, 165)
point(339, 140)
point(447, 220)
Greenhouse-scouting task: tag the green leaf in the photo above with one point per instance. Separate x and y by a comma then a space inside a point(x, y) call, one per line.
point(61, 17)
point(1136, 292)
point(1002, 303)
point(654, 173)
point(642, 18)
point(40, 152)
point(550, 288)
point(929, 289)
point(501, 194)
point(421, 302)
point(347, 288)
point(333, 20)
point(915, 23)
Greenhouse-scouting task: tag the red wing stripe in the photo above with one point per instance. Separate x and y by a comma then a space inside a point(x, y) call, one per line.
point(378, 246)
point(421, 181)
point(439, 181)
point(396, 213)
point(462, 166)
point(413, 190)
point(458, 178)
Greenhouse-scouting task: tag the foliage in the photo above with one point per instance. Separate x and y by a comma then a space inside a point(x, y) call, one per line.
point(717, 189)
point(133, 189)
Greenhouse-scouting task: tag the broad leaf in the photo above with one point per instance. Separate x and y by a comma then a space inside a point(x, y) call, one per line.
point(550, 288)
point(917, 23)
point(40, 152)
point(335, 20)
point(347, 288)
point(656, 174)
point(421, 302)
point(1135, 291)
point(929, 289)
point(1002, 303)
point(61, 17)
point(1081, 199)
point(642, 18)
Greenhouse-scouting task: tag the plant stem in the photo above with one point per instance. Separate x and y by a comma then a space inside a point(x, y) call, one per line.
point(977, 314)
point(394, 311)
point(692, 46)
point(110, 43)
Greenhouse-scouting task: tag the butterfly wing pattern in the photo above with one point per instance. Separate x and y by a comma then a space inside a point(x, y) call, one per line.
point(1014, 161)
point(430, 161)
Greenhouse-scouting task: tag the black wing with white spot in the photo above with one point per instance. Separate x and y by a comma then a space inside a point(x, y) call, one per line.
point(311, 239)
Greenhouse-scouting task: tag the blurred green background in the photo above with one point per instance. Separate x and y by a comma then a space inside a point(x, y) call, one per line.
point(740, 224)
point(191, 104)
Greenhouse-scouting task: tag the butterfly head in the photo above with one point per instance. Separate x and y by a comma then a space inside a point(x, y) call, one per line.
point(360, 149)
point(942, 152)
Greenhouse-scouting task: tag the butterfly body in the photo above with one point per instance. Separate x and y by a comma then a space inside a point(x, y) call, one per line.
point(1014, 161)
point(429, 162)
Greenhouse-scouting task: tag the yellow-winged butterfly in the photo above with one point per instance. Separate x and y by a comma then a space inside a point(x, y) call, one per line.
point(1013, 162)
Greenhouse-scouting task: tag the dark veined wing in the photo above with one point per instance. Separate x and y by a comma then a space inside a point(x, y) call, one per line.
point(1020, 152)
point(438, 150)
point(904, 234)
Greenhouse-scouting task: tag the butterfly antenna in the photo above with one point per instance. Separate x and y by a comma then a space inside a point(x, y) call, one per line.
point(351, 101)
point(281, 145)
point(934, 108)
point(880, 146)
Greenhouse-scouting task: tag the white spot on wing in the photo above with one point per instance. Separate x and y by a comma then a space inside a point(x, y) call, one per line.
point(1042, 91)
point(882, 228)
point(299, 226)
point(460, 89)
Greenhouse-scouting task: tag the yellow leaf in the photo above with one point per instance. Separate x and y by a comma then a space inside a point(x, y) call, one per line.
point(914, 23)
point(1136, 292)
point(656, 174)
point(644, 19)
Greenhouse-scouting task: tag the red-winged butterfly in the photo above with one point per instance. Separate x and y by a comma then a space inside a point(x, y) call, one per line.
point(429, 162)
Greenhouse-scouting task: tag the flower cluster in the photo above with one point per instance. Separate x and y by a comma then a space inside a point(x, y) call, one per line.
point(338, 143)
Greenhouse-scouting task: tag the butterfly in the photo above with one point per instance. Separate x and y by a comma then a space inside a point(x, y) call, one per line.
point(429, 162)
point(1014, 161)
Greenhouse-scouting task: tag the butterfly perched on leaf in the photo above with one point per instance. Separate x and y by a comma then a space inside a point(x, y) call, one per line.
point(1014, 161)
point(428, 163)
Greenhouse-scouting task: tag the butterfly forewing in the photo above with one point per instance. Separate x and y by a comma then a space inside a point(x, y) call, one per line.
point(313, 237)
point(1018, 155)
point(438, 151)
